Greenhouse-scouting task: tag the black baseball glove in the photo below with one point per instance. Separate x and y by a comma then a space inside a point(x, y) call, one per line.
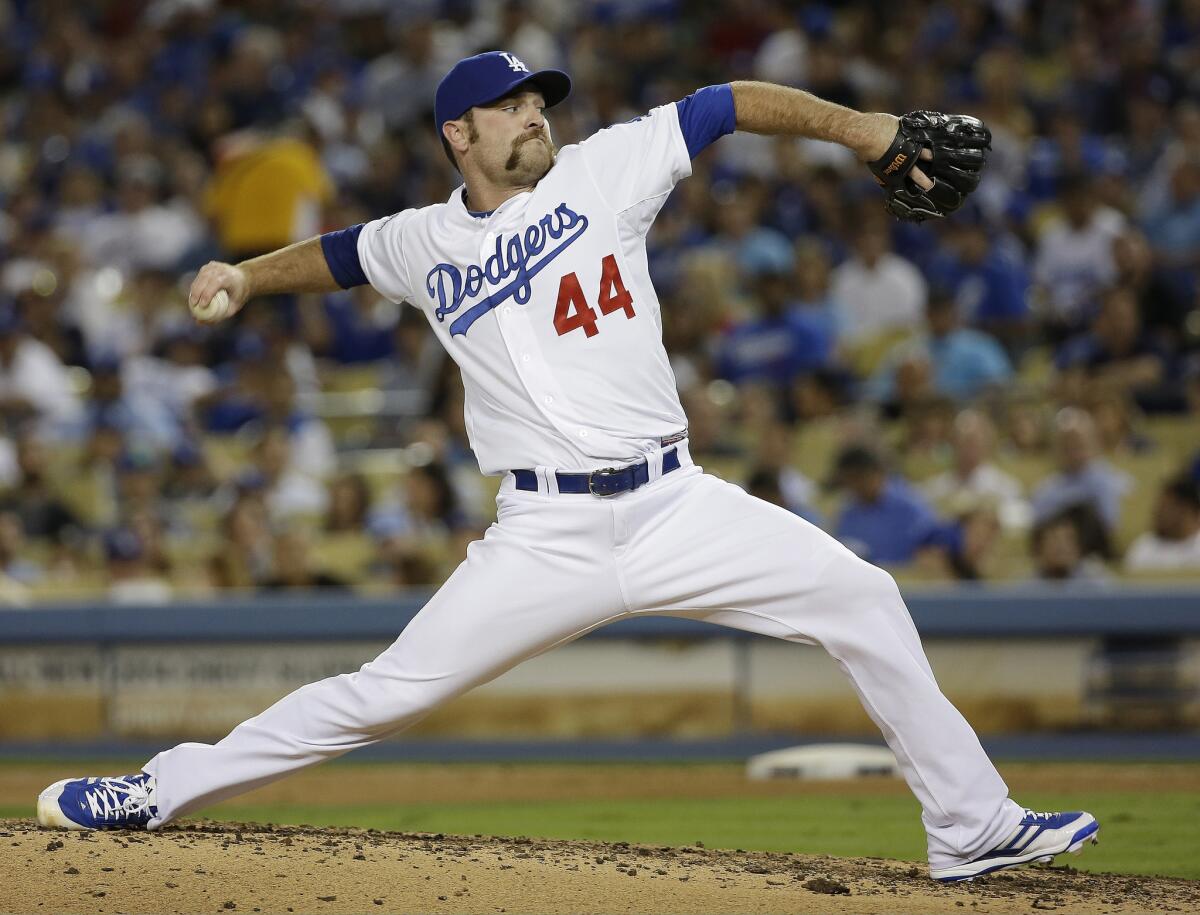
point(959, 143)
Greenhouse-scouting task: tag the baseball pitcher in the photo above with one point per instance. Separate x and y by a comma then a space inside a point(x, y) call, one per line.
point(533, 275)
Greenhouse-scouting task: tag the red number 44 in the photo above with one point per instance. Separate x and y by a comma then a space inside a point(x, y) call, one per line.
point(613, 297)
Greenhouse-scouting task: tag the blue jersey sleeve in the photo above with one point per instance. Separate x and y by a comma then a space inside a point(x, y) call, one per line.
point(706, 115)
point(341, 254)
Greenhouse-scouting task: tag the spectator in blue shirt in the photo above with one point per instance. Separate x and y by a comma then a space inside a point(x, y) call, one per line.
point(1083, 477)
point(884, 520)
point(962, 362)
point(781, 342)
point(813, 297)
point(357, 325)
point(988, 282)
point(1174, 230)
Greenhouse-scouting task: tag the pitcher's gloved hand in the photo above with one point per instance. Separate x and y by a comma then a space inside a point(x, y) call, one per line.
point(959, 145)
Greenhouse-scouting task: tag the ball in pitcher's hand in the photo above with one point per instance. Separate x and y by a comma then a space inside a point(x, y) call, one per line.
point(216, 308)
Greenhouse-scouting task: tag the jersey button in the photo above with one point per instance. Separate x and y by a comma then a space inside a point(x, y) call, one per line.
point(507, 310)
point(547, 400)
point(525, 357)
point(583, 433)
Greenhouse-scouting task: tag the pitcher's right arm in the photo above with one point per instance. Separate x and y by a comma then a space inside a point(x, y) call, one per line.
point(302, 267)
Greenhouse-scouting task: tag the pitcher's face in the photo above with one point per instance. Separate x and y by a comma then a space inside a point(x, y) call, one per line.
point(511, 143)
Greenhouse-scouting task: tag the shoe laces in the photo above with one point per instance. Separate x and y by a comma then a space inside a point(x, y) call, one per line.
point(1038, 815)
point(120, 798)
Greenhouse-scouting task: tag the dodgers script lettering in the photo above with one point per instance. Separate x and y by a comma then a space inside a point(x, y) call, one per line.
point(515, 259)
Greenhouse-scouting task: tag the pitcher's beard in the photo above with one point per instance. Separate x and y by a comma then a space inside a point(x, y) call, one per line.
point(527, 170)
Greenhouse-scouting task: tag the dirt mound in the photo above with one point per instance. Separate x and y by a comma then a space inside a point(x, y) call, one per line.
point(229, 867)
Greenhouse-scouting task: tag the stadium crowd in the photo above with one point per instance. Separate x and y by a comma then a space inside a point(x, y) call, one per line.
point(1014, 393)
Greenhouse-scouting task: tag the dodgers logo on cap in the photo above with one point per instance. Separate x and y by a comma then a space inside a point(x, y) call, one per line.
point(486, 77)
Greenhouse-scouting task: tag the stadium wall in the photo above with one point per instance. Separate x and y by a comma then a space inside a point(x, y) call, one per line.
point(1015, 660)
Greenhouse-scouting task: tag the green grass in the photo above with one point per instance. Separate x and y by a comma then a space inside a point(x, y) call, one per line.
point(1142, 833)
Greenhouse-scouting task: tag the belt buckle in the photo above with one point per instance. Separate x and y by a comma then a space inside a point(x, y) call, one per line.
point(601, 473)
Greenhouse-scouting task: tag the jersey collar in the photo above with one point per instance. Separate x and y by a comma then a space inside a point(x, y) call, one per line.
point(458, 202)
point(462, 194)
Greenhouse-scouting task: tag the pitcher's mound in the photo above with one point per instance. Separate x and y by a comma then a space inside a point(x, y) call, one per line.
point(230, 867)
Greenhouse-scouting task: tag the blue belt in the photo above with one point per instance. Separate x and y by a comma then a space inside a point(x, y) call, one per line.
point(607, 482)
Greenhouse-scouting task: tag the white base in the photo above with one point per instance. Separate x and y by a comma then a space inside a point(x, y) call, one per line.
point(824, 761)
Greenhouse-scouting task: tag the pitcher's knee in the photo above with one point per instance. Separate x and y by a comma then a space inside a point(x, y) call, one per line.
point(860, 586)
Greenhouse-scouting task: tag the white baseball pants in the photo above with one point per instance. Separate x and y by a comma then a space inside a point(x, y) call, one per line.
point(554, 567)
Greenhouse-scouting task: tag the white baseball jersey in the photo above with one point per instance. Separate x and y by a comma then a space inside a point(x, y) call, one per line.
point(546, 303)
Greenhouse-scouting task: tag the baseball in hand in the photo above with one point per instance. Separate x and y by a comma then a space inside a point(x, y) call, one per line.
point(216, 308)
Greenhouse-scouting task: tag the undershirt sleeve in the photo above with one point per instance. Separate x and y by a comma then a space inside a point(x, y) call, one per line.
point(706, 115)
point(341, 254)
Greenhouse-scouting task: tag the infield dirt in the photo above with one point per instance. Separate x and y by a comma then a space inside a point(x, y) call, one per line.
point(221, 868)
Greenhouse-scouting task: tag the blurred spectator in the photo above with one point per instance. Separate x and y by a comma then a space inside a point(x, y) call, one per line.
point(142, 231)
point(177, 376)
point(1174, 229)
point(951, 360)
point(754, 248)
point(17, 574)
point(878, 291)
point(777, 344)
point(1074, 261)
point(418, 360)
point(292, 565)
point(191, 498)
point(245, 554)
point(1070, 544)
point(349, 504)
point(813, 296)
point(141, 419)
point(1026, 425)
point(1069, 150)
point(1163, 309)
point(263, 391)
point(974, 479)
point(34, 498)
point(987, 281)
point(926, 423)
point(883, 519)
point(266, 192)
point(33, 382)
point(405, 564)
point(1083, 477)
point(817, 396)
point(1116, 418)
point(1174, 542)
point(131, 579)
point(1116, 354)
point(139, 481)
point(311, 444)
point(357, 325)
point(773, 478)
point(16, 567)
point(122, 326)
point(964, 550)
point(287, 489)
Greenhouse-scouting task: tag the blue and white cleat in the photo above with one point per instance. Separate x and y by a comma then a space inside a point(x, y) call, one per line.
point(122, 802)
point(1038, 837)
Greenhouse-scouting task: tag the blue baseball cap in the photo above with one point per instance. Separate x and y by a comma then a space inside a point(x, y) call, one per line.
point(486, 77)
